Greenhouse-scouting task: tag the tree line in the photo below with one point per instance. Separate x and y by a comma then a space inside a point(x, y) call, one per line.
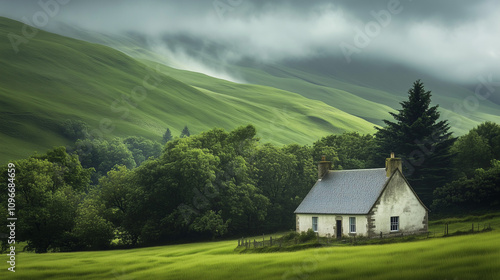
point(136, 192)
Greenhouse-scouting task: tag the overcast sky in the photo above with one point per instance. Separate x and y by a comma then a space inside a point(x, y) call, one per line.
point(458, 39)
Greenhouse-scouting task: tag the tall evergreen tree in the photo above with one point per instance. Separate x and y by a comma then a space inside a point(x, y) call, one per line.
point(167, 136)
point(185, 132)
point(421, 140)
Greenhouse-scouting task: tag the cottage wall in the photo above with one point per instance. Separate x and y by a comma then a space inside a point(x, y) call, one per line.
point(397, 200)
point(327, 224)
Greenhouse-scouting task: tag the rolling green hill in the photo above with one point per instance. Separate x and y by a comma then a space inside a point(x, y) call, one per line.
point(54, 78)
point(371, 91)
point(366, 89)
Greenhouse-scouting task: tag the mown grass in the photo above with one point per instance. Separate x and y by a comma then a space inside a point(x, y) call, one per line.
point(461, 257)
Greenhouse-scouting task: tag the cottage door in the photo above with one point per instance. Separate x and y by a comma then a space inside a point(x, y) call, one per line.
point(339, 228)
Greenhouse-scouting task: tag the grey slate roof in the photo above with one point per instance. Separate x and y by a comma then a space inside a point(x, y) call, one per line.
point(344, 192)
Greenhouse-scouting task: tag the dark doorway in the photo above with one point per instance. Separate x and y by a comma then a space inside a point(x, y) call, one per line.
point(339, 229)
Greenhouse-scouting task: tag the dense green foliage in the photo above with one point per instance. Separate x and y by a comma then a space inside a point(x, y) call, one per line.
point(211, 184)
point(142, 148)
point(75, 129)
point(477, 148)
point(347, 151)
point(421, 139)
point(49, 189)
point(478, 192)
point(476, 186)
point(102, 155)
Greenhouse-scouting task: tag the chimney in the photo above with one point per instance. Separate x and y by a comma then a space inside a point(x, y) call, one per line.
point(391, 164)
point(323, 167)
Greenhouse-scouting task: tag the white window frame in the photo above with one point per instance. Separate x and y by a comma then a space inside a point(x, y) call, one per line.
point(394, 223)
point(352, 224)
point(315, 224)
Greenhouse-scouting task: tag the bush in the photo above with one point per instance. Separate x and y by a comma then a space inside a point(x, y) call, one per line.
point(75, 129)
point(290, 236)
point(307, 236)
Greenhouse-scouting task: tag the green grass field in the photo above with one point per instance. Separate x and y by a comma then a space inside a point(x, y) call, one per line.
point(474, 256)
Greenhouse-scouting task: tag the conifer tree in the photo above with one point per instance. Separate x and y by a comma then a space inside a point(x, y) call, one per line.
point(185, 132)
point(421, 140)
point(167, 136)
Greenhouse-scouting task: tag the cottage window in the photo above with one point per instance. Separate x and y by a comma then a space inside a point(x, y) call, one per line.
point(315, 224)
point(395, 223)
point(352, 224)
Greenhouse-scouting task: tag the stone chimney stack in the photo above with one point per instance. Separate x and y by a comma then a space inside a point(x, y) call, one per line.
point(323, 167)
point(391, 164)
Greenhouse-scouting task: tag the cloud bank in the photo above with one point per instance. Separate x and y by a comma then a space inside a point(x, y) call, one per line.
point(456, 40)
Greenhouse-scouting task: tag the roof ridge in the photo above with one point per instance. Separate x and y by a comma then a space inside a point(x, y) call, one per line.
point(364, 169)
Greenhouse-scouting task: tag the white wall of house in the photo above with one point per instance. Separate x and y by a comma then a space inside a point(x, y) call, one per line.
point(398, 200)
point(327, 224)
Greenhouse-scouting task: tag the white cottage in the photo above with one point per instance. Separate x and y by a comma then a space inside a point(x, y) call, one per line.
point(362, 202)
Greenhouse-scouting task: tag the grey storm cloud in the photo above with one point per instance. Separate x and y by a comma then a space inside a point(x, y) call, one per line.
point(457, 40)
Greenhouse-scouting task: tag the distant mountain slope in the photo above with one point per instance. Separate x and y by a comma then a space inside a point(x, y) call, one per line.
point(364, 88)
point(380, 83)
point(54, 78)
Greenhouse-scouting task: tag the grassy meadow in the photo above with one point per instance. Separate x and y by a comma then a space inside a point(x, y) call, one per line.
point(473, 256)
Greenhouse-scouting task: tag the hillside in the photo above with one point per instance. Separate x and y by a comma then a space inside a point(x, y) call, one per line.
point(364, 88)
point(55, 78)
point(375, 88)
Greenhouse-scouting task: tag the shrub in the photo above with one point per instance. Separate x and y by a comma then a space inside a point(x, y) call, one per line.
point(307, 236)
point(290, 236)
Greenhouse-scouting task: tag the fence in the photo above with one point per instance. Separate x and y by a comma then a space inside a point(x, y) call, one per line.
point(279, 242)
point(456, 229)
point(473, 228)
point(249, 243)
